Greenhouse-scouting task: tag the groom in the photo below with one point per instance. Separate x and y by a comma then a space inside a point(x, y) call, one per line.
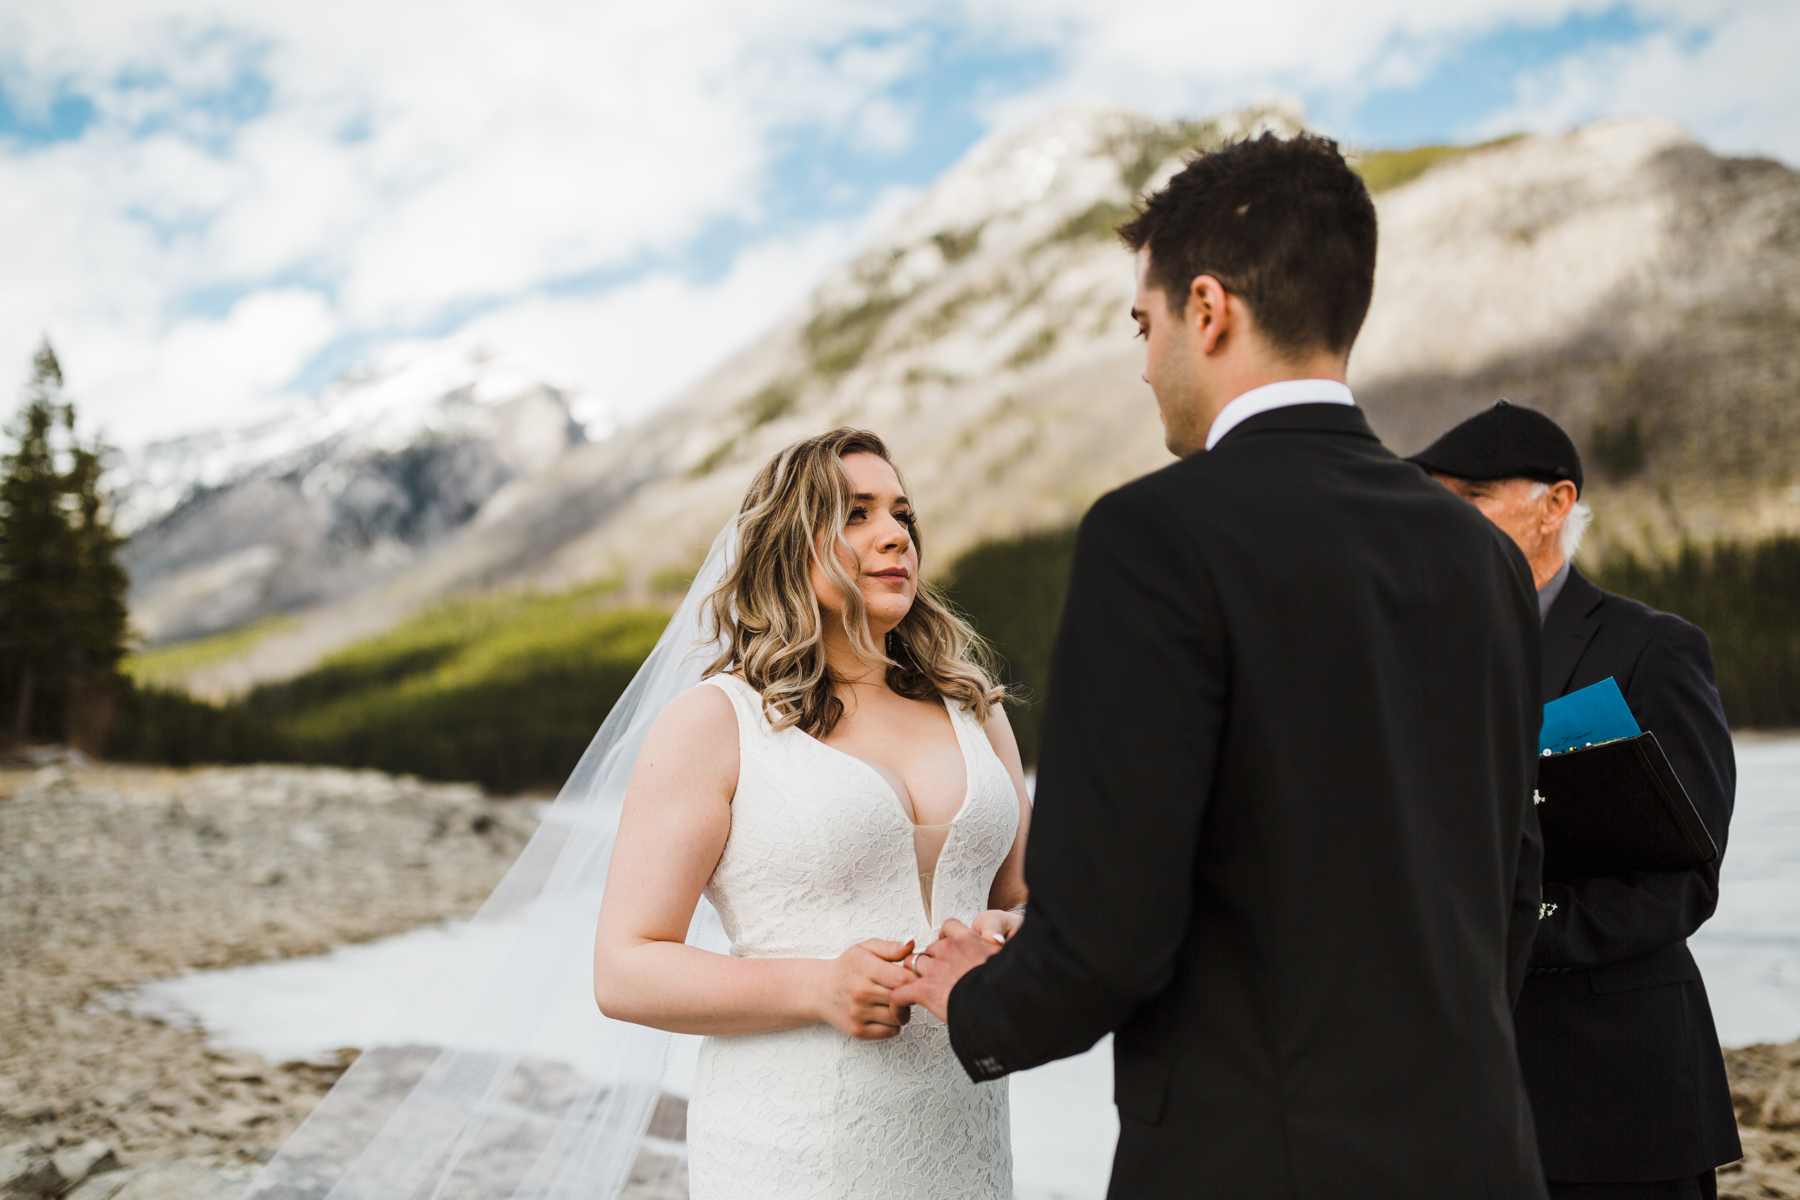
point(1279, 846)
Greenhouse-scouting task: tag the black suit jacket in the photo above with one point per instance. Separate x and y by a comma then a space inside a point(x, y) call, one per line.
point(1615, 1032)
point(1288, 754)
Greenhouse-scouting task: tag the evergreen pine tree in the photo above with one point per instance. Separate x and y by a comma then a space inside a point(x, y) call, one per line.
point(40, 569)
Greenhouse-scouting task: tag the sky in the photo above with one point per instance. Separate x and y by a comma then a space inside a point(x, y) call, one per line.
point(213, 210)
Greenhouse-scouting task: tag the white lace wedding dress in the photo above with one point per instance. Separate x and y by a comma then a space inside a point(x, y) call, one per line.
point(823, 854)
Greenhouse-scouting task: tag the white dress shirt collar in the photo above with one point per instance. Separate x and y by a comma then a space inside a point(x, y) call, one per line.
point(1271, 396)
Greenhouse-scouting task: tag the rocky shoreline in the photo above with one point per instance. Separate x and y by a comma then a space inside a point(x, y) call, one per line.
point(114, 875)
point(1765, 1090)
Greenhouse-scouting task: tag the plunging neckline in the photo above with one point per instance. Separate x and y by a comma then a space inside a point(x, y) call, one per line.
point(887, 785)
point(897, 806)
point(927, 880)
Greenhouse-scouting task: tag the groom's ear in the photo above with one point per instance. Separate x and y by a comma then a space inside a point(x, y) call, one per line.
point(1208, 314)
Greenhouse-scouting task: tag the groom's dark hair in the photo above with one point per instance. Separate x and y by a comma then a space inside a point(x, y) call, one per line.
point(1283, 223)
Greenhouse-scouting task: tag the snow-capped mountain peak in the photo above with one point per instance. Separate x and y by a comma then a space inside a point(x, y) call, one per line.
point(384, 406)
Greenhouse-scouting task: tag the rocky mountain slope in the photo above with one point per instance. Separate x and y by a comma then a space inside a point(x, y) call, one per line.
point(1641, 289)
point(318, 504)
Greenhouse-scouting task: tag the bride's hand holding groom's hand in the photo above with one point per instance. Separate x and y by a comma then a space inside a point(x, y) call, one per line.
point(856, 989)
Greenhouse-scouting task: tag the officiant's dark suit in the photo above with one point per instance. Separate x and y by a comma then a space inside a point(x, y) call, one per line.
point(1277, 840)
point(1615, 1032)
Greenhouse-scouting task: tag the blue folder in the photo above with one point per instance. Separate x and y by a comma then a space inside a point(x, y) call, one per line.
point(1589, 717)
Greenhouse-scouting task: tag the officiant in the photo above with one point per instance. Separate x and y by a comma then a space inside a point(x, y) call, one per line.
point(1615, 1032)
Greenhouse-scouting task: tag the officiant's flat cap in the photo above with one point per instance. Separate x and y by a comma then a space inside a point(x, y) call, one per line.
point(1506, 441)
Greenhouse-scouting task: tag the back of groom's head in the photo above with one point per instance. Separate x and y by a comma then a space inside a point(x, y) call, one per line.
point(1283, 223)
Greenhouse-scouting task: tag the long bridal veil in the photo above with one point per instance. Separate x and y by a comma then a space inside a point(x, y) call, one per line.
point(541, 1097)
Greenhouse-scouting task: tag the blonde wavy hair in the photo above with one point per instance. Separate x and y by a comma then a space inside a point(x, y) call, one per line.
point(774, 626)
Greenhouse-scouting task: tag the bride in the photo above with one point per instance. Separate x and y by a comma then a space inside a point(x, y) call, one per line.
point(812, 754)
point(841, 782)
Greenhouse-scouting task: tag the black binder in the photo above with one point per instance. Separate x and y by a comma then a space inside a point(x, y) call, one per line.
point(1617, 807)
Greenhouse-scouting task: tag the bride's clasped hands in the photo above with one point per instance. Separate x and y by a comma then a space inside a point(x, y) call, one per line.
point(856, 989)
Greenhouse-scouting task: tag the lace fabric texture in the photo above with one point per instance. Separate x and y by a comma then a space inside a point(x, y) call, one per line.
point(822, 855)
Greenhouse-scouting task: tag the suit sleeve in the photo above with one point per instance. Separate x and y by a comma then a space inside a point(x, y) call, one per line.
point(1135, 704)
point(1613, 918)
point(1528, 866)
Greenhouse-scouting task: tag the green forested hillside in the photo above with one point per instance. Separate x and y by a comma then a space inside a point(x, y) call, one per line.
point(505, 691)
point(1746, 596)
point(1012, 589)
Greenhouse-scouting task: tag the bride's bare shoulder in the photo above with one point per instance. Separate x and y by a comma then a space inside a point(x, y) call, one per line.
point(693, 744)
point(700, 717)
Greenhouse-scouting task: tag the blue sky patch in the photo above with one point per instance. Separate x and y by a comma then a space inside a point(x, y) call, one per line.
point(1478, 79)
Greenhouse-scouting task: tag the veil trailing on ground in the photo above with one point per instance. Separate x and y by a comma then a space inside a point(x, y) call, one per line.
point(541, 1098)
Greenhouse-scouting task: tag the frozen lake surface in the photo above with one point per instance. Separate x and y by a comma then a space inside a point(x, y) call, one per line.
point(1749, 952)
point(1063, 1120)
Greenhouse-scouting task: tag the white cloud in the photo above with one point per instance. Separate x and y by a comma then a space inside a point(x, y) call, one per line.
point(295, 195)
point(139, 379)
point(1174, 56)
point(1737, 88)
point(884, 127)
point(1733, 85)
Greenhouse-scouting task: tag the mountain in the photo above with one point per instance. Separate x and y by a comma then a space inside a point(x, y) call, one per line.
point(318, 504)
point(1636, 286)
